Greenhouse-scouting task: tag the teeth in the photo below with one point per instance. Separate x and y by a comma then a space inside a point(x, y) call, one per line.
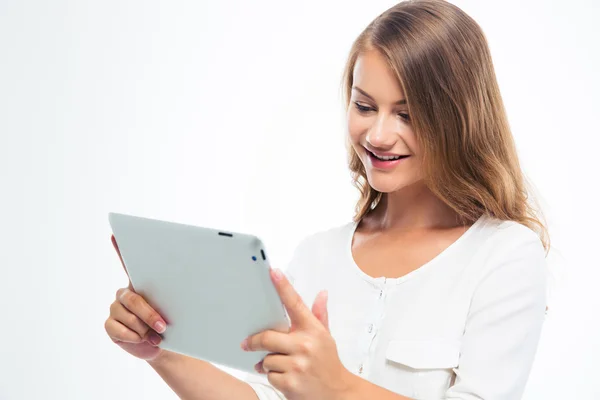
point(387, 158)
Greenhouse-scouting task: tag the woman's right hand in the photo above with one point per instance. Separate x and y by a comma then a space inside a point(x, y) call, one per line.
point(133, 324)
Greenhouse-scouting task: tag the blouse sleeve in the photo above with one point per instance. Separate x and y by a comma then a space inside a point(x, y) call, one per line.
point(504, 325)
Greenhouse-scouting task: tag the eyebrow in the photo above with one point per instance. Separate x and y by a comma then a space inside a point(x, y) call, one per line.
point(403, 101)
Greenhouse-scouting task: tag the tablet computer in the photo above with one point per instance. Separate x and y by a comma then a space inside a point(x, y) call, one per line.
point(212, 287)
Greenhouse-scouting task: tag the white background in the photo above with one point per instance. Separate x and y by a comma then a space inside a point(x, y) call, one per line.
point(229, 114)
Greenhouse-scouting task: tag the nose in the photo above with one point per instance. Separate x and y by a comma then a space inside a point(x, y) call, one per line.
point(384, 132)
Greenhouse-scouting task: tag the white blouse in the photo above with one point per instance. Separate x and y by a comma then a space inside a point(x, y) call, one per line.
point(465, 325)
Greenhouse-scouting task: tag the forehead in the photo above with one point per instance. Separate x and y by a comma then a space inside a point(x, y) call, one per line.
point(373, 75)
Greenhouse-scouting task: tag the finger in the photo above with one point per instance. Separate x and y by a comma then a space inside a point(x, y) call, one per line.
point(137, 305)
point(319, 308)
point(271, 341)
point(299, 314)
point(116, 246)
point(129, 319)
point(284, 382)
point(277, 363)
point(120, 333)
point(258, 367)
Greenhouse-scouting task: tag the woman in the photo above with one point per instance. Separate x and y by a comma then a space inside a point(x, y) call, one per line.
point(437, 289)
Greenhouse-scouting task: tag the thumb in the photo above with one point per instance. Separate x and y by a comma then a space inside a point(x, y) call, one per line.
point(319, 308)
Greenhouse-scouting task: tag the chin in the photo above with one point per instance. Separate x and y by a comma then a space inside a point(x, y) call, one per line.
point(389, 183)
point(386, 184)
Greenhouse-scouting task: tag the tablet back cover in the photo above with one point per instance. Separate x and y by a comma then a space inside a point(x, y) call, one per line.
point(212, 287)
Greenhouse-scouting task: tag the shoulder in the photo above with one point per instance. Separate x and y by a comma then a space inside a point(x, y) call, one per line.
point(328, 238)
point(509, 249)
point(501, 236)
point(311, 249)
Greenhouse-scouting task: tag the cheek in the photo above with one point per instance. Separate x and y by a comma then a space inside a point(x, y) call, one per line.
point(357, 126)
point(411, 141)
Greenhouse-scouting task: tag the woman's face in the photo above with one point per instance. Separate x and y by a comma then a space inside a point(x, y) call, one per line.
point(379, 126)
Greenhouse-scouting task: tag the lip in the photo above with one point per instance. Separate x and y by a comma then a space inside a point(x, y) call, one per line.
point(385, 165)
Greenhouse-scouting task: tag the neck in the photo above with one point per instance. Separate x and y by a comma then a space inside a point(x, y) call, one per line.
point(414, 207)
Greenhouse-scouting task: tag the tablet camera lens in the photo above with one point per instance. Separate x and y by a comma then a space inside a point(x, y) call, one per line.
point(253, 258)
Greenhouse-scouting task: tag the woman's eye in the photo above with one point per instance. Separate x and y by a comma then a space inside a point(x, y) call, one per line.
point(362, 108)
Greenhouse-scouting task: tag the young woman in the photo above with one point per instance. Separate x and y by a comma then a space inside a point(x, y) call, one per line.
point(437, 288)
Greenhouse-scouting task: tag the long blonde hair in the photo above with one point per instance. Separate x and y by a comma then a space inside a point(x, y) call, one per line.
point(441, 59)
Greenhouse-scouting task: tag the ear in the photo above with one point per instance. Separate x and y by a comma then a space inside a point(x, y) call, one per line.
point(319, 308)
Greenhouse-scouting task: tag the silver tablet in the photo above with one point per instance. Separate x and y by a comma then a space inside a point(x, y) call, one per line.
point(212, 287)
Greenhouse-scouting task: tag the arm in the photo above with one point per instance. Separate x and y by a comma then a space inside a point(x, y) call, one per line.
point(504, 326)
point(195, 379)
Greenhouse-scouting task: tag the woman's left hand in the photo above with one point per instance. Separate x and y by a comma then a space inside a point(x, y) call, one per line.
point(304, 362)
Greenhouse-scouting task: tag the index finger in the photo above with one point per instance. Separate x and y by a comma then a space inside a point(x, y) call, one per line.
point(296, 309)
point(138, 306)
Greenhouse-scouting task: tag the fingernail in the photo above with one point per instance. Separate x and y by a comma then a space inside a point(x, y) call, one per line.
point(244, 344)
point(277, 275)
point(258, 367)
point(160, 326)
point(154, 339)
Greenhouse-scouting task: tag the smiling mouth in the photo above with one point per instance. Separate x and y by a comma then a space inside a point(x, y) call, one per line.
point(386, 158)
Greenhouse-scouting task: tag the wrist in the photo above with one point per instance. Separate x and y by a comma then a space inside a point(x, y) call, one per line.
point(159, 360)
point(349, 387)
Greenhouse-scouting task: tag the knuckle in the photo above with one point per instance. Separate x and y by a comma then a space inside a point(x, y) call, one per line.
point(135, 300)
point(265, 340)
point(113, 330)
point(120, 292)
point(299, 364)
point(125, 296)
point(306, 346)
point(107, 326)
point(289, 384)
point(124, 332)
point(132, 320)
